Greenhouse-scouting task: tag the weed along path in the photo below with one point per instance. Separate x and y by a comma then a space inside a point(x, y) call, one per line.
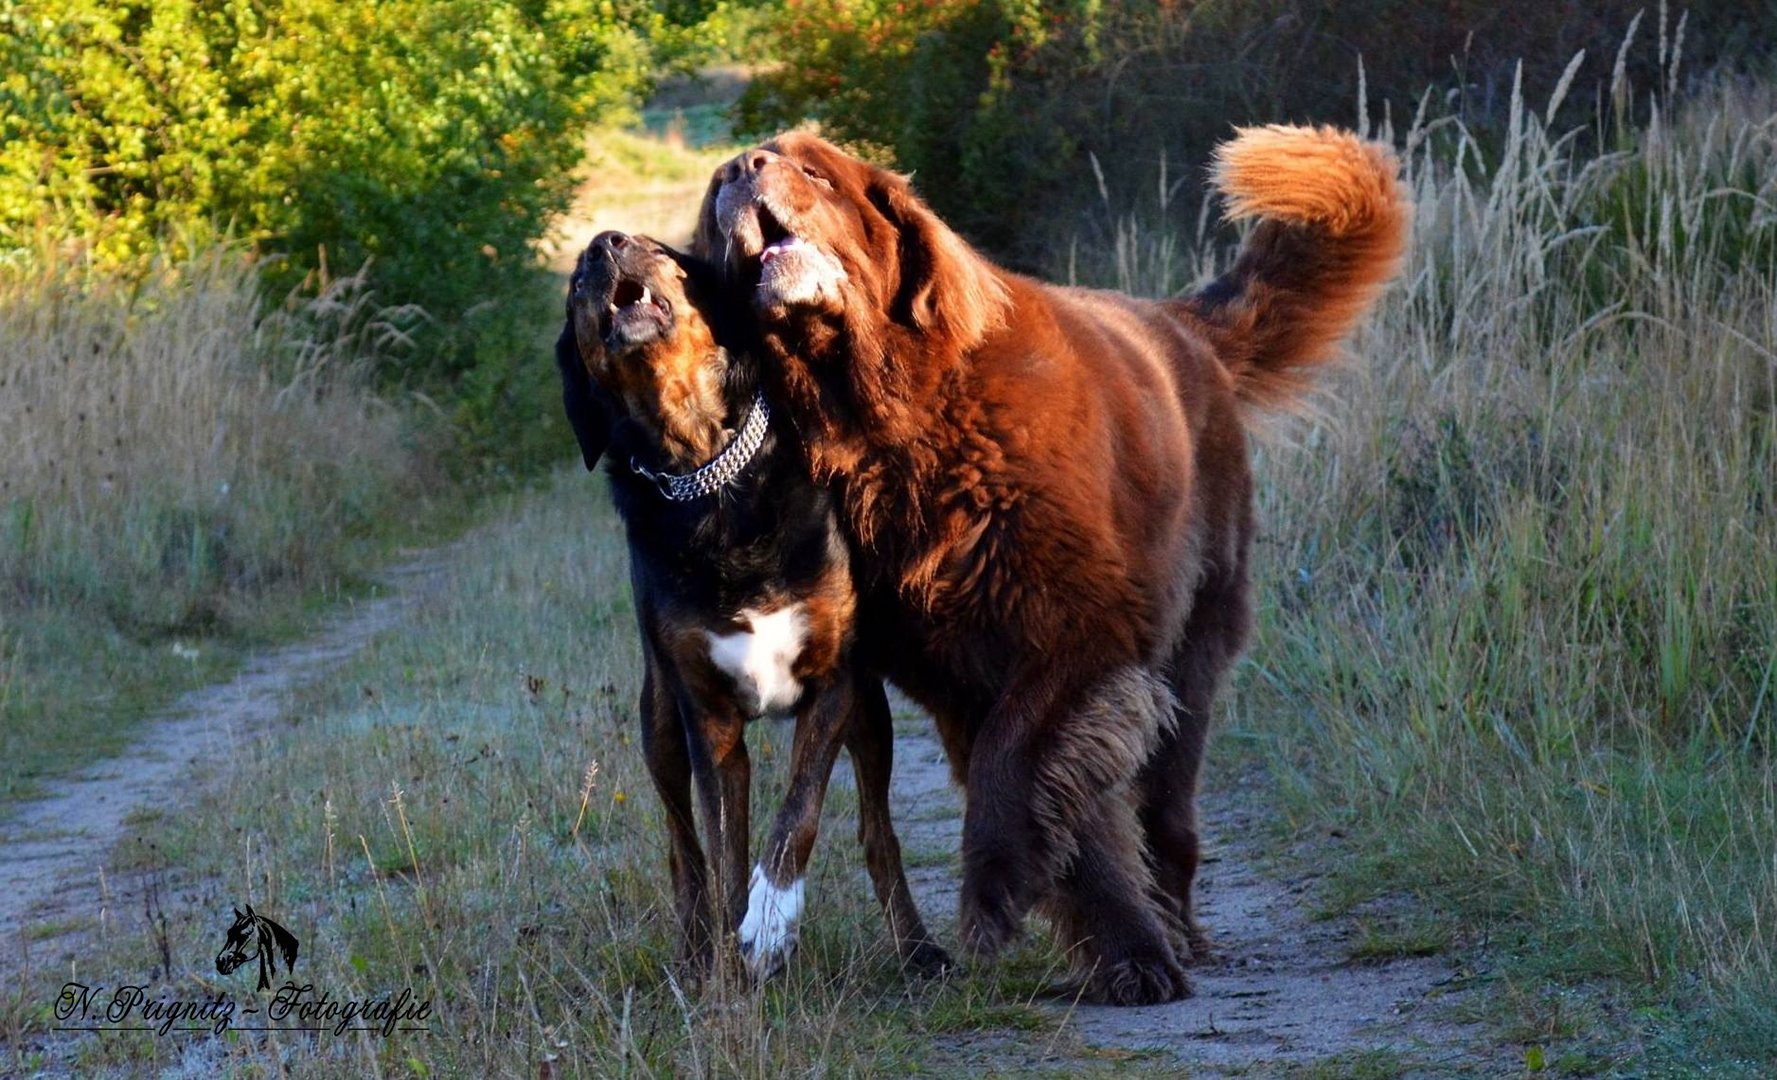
point(54, 850)
point(1284, 989)
point(1284, 992)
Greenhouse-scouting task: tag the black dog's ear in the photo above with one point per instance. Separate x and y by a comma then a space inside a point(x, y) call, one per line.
point(728, 311)
point(589, 415)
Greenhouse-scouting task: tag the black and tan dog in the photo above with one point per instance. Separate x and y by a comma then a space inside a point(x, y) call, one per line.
point(743, 591)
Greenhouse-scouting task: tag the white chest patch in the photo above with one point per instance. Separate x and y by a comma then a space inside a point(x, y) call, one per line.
point(759, 660)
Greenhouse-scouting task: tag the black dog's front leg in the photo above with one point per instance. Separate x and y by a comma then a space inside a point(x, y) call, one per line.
point(724, 777)
point(776, 890)
point(665, 748)
point(870, 739)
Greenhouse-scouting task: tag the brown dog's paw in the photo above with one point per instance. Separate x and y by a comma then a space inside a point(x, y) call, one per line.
point(988, 923)
point(1138, 981)
point(1199, 949)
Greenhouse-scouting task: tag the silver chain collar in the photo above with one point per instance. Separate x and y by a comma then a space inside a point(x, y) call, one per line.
point(719, 471)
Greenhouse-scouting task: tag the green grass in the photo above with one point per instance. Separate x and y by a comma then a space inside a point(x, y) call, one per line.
point(692, 111)
point(189, 476)
point(1518, 594)
point(426, 820)
point(1381, 942)
point(1363, 1065)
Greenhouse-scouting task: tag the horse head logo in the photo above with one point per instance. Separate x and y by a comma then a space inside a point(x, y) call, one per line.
point(255, 937)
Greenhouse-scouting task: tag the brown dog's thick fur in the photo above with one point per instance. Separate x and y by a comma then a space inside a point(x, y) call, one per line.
point(1050, 501)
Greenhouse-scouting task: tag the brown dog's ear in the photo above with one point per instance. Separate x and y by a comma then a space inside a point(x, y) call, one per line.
point(946, 290)
point(707, 241)
point(588, 412)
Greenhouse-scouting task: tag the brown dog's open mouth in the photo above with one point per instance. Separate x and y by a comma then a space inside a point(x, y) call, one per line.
point(634, 315)
point(771, 230)
point(782, 257)
point(773, 239)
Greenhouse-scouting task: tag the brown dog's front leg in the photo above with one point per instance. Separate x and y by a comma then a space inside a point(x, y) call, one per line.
point(1058, 752)
point(1012, 853)
point(775, 895)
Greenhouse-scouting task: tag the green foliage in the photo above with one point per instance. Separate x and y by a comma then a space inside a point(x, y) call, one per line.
point(1000, 107)
point(432, 138)
point(931, 85)
point(406, 130)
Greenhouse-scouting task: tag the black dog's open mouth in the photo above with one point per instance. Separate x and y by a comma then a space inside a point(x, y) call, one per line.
point(634, 314)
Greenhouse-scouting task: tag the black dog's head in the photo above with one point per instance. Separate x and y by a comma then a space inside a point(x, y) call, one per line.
point(645, 340)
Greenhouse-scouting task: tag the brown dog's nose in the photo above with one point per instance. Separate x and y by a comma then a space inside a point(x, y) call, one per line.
point(612, 241)
point(749, 164)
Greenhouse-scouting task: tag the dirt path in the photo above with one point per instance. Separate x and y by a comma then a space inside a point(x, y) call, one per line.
point(54, 850)
point(1283, 991)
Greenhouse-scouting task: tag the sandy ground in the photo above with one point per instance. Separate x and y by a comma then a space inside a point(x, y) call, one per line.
point(1282, 990)
point(54, 851)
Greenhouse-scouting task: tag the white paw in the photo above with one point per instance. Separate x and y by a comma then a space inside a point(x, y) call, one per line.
point(768, 933)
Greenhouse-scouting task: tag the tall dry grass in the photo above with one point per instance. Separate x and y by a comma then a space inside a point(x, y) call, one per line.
point(1519, 581)
point(175, 455)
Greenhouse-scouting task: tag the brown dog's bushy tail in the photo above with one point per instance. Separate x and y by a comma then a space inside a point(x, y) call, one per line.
point(1333, 220)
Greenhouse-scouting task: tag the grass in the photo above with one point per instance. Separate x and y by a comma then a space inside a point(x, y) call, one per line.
point(1519, 589)
point(186, 474)
point(692, 111)
point(426, 820)
point(1518, 644)
point(1362, 1065)
point(644, 184)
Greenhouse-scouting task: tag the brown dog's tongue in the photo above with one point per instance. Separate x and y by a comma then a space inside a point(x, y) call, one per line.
point(784, 246)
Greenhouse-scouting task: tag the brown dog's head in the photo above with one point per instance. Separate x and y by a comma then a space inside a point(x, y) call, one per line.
point(644, 340)
point(808, 231)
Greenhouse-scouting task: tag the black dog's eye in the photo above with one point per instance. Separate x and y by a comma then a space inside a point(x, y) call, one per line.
point(816, 177)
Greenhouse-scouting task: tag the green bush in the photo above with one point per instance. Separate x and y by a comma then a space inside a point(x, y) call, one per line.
point(432, 138)
point(1000, 107)
point(431, 135)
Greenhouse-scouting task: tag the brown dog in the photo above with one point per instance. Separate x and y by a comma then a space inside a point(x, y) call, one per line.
point(1049, 495)
point(743, 596)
